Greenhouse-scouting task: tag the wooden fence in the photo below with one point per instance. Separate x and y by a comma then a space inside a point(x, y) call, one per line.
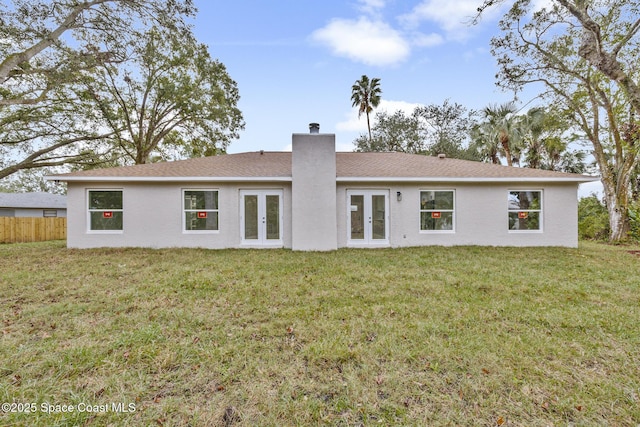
point(28, 229)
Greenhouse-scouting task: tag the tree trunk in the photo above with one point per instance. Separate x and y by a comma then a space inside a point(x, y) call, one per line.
point(618, 210)
point(618, 222)
point(504, 141)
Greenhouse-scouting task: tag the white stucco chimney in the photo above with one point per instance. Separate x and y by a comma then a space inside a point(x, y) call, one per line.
point(313, 191)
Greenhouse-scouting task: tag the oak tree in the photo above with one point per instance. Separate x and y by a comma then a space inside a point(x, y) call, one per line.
point(585, 55)
point(45, 49)
point(169, 100)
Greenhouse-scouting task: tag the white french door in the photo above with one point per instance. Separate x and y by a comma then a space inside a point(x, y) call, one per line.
point(368, 217)
point(261, 217)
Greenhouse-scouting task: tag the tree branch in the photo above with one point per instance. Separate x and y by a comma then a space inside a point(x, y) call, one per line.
point(31, 161)
point(13, 61)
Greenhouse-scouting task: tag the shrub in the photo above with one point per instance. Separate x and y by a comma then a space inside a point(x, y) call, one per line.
point(634, 220)
point(593, 219)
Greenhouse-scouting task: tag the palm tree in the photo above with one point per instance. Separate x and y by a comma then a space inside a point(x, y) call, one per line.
point(502, 128)
point(544, 134)
point(365, 94)
point(485, 143)
point(532, 126)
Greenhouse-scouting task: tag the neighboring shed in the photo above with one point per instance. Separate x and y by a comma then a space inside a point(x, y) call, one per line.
point(33, 205)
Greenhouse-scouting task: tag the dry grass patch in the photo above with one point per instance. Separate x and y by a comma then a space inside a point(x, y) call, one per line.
point(420, 336)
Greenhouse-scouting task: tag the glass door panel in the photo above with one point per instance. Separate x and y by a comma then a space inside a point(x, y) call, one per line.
point(357, 217)
point(379, 215)
point(250, 217)
point(273, 217)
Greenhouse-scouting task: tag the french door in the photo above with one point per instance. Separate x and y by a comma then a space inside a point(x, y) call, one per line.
point(368, 217)
point(261, 217)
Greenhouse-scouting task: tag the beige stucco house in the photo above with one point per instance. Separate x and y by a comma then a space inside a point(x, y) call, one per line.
point(316, 199)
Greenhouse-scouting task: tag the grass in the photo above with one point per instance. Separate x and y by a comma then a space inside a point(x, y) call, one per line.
point(422, 336)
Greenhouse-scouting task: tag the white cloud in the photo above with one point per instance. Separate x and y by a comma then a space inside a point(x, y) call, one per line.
point(367, 41)
point(371, 7)
point(393, 106)
point(354, 124)
point(539, 4)
point(454, 17)
point(427, 40)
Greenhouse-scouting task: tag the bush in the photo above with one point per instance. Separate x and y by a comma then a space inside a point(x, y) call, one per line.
point(634, 220)
point(593, 219)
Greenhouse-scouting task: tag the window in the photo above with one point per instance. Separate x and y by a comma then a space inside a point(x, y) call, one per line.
point(105, 210)
point(49, 213)
point(200, 210)
point(437, 210)
point(525, 210)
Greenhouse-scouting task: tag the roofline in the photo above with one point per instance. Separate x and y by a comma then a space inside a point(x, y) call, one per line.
point(167, 178)
point(34, 207)
point(465, 179)
point(581, 179)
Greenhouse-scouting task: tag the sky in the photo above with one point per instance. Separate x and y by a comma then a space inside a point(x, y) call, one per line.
point(295, 61)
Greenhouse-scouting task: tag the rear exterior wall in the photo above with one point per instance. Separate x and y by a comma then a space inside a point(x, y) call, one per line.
point(153, 215)
point(481, 215)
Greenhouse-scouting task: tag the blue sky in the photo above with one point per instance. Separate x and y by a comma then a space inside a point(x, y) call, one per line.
point(296, 60)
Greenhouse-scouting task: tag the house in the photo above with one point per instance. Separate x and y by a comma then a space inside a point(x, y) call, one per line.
point(32, 205)
point(316, 199)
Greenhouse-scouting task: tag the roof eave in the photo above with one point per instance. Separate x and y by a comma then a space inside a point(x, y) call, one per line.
point(168, 178)
point(347, 179)
point(467, 179)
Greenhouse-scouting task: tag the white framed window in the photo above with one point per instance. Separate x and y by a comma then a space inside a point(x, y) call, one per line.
point(49, 213)
point(104, 211)
point(200, 210)
point(437, 210)
point(525, 210)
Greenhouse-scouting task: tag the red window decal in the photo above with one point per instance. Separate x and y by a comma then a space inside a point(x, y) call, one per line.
point(107, 214)
point(202, 214)
point(436, 214)
point(523, 215)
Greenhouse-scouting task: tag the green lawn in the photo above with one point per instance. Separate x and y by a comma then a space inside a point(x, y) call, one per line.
point(422, 336)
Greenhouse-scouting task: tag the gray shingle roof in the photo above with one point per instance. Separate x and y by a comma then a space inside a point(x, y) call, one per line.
point(33, 201)
point(402, 165)
point(349, 166)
